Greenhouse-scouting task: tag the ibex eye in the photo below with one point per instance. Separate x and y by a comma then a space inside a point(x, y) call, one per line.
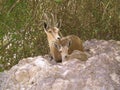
point(60, 51)
point(49, 31)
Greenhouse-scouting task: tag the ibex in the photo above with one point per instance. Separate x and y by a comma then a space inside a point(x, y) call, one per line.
point(51, 28)
point(52, 32)
point(70, 47)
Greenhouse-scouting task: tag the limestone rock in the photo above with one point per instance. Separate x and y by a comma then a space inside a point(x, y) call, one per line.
point(100, 72)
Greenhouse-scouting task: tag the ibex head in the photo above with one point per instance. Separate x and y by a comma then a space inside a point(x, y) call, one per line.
point(63, 47)
point(51, 28)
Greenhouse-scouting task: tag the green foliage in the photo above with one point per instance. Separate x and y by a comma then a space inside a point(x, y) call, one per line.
point(21, 26)
point(58, 1)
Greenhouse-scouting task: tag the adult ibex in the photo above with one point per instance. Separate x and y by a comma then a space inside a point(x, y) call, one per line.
point(51, 28)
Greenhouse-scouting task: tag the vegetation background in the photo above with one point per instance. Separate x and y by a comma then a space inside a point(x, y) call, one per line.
point(21, 26)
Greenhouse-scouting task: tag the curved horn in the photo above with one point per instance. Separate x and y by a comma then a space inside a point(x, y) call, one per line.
point(46, 19)
point(45, 16)
point(53, 20)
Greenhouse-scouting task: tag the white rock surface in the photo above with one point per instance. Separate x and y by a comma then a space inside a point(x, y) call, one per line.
point(100, 72)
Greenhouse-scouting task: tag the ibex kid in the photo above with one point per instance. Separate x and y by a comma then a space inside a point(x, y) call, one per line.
point(71, 47)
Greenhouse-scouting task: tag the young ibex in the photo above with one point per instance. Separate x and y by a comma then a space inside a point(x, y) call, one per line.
point(71, 47)
point(52, 32)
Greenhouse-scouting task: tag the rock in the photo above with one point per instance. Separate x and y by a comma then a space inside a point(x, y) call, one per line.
point(100, 72)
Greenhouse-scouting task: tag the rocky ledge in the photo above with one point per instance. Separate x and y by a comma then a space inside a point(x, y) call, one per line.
point(100, 72)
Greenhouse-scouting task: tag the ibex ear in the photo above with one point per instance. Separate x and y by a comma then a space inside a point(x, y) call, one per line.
point(69, 43)
point(56, 46)
point(58, 25)
point(45, 26)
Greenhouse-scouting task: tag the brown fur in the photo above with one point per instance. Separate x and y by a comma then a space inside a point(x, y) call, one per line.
point(76, 43)
point(55, 54)
point(76, 55)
